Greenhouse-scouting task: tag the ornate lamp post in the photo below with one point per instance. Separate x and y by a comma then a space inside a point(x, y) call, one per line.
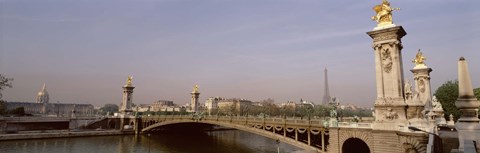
point(277, 142)
point(148, 142)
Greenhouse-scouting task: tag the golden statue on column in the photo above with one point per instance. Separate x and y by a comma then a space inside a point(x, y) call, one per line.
point(129, 81)
point(195, 89)
point(419, 60)
point(384, 14)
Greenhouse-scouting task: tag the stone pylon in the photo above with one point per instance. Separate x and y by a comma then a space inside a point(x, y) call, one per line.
point(422, 96)
point(468, 126)
point(421, 75)
point(390, 106)
point(126, 108)
point(194, 103)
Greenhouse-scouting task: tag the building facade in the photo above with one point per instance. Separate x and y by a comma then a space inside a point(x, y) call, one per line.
point(162, 105)
point(212, 104)
point(234, 106)
point(54, 109)
point(43, 107)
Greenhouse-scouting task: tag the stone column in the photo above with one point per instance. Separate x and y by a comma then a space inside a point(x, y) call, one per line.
point(421, 99)
point(309, 139)
point(323, 139)
point(421, 76)
point(127, 100)
point(390, 106)
point(194, 103)
point(296, 134)
point(126, 108)
point(468, 126)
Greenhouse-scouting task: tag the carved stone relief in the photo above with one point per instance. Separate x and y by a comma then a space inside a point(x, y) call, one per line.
point(386, 60)
point(386, 100)
point(390, 114)
point(421, 85)
point(412, 145)
point(408, 92)
point(409, 148)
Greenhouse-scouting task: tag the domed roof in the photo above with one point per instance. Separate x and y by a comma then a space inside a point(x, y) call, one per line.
point(42, 95)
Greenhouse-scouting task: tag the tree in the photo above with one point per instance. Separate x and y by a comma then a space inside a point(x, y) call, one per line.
point(254, 110)
point(477, 93)
point(5, 82)
point(231, 109)
point(3, 107)
point(19, 111)
point(289, 110)
point(183, 111)
point(321, 110)
point(244, 109)
point(447, 94)
point(269, 107)
point(109, 108)
point(306, 111)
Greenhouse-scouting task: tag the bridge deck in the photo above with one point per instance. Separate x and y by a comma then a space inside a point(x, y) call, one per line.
point(307, 134)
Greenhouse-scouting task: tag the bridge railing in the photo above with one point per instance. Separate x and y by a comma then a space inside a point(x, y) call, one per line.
point(354, 125)
point(236, 119)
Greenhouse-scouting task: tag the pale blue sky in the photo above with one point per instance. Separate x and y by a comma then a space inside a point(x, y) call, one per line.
point(253, 49)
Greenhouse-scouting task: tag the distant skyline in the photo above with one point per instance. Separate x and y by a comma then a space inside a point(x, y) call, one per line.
point(85, 50)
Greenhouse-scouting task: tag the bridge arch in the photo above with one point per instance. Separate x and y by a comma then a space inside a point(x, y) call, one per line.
point(364, 135)
point(355, 145)
point(250, 129)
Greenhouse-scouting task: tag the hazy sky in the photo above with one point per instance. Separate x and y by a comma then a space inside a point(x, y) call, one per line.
point(253, 49)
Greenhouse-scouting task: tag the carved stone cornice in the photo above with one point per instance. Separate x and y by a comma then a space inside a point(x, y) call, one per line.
point(426, 77)
point(385, 37)
point(393, 33)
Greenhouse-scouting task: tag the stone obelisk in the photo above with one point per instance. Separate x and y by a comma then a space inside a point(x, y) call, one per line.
point(468, 126)
point(390, 103)
point(326, 94)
